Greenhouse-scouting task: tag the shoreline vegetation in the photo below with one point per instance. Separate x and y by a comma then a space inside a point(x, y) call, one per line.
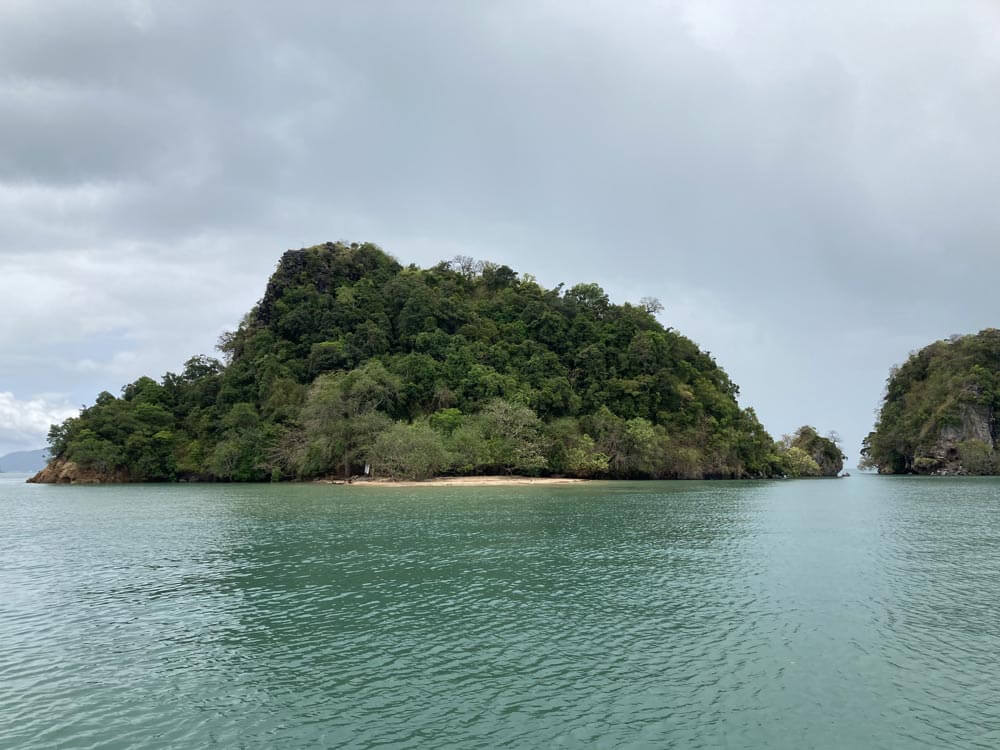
point(467, 368)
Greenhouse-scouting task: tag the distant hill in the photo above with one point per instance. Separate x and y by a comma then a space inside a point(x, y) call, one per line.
point(24, 462)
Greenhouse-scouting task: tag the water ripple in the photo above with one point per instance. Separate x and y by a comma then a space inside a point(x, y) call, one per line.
point(859, 613)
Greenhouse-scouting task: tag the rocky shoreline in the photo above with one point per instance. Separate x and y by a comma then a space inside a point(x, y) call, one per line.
point(61, 471)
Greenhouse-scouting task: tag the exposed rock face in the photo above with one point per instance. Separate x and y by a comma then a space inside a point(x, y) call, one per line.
point(976, 425)
point(61, 471)
point(957, 446)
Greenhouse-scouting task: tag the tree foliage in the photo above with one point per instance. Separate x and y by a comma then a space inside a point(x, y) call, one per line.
point(409, 451)
point(796, 462)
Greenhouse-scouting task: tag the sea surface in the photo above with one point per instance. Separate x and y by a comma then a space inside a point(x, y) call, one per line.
point(856, 613)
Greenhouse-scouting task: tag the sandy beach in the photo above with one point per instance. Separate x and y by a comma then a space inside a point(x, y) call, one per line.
point(485, 481)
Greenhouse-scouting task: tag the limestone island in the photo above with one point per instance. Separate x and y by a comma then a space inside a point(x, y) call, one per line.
point(938, 415)
point(353, 364)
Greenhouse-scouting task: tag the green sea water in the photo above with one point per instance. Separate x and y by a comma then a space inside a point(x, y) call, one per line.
point(858, 613)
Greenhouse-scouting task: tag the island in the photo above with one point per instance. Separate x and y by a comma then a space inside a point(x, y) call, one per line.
point(809, 454)
point(352, 364)
point(938, 415)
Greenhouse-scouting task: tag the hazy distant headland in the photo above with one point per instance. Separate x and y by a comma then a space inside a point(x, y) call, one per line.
point(24, 462)
point(351, 361)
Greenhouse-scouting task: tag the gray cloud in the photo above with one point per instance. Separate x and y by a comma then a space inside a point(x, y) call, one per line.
point(21, 422)
point(808, 187)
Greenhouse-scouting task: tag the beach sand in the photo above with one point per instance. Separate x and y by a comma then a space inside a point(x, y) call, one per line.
point(486, 481)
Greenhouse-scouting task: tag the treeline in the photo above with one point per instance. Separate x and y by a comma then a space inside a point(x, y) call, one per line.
point(464, 368)
point(938, 414)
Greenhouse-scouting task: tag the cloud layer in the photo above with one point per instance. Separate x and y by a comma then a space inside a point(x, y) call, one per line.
point(808, 187)
point(24, 422)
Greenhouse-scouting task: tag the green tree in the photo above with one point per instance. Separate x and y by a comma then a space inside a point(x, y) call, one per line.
point(241, 455)
point(343, 415)
point(572, 452)
point(796, 462)
point(92, 452)
point(409, 451)
point(513, 437)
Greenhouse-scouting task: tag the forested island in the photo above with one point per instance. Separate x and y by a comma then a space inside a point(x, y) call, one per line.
point(938, 415)
point(351, 360)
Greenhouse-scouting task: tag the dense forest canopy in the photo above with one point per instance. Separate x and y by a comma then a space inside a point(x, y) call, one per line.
point(938, 414)
point(468, 367)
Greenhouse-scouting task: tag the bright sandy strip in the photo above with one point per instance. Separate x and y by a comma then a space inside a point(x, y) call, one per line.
point(461, 481)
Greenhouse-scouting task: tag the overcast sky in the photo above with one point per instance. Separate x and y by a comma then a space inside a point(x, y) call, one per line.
point(809, 188)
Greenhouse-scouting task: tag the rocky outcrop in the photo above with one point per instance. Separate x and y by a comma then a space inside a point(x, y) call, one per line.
point(61, 471)
point(964, 445)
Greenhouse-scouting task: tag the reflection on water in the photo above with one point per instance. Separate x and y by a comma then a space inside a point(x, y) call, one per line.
point(859, 613)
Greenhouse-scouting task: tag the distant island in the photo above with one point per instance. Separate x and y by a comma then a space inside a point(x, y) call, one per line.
point(353, 364)
point(24, 462)
point(939, 412)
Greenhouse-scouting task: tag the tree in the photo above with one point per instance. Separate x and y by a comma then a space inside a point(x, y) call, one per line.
point(446, 421)
point(199, 367)
point(513, 437)
point(328, 355)
point(344, 413)
point(92, 452)
point(241, 455)
point(572, 452)
point(633, 447)
point(409, 451)
point(797, 463)
point(651, 305)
